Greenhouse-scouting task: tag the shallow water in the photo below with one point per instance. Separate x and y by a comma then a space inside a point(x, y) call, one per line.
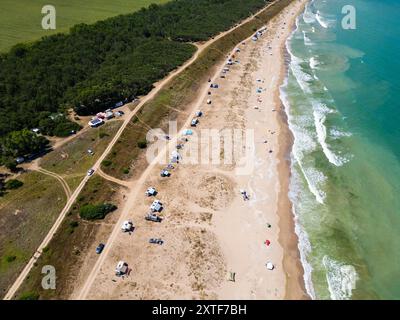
point(341, 95)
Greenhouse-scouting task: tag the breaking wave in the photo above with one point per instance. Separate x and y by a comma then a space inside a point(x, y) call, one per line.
point(314, 63)
point(320, 111)
point(341, 278)
point(322, 22)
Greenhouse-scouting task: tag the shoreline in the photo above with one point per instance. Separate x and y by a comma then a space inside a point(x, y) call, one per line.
point(295, 283)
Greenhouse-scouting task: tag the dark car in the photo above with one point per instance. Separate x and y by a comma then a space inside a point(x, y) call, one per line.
point(153, 217)
point(156, 241)
point(100, 248)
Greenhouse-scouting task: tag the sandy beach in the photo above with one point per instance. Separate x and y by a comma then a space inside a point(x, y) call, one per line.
point(209, 230)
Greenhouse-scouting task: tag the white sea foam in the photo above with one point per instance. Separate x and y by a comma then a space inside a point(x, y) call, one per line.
point(303, 144)
point(341, 278)
point(321, 21)
point(304, 246)
point(336, 133)
point(314, 63)
point(307, 142)
point(308, 15)
point(302, 77)
point(303, 241)
point(320, 112)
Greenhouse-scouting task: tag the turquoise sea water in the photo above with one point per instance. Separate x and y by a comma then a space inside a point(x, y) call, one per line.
point(342, 96)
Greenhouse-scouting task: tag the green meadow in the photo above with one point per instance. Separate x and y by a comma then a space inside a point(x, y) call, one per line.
point(21, 20)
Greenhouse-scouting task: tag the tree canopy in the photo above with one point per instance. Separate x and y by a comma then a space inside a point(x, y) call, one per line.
point(95, 66)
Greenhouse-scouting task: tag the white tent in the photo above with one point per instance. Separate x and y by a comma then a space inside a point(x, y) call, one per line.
point(127, 226)
point(270, 266)
point(121, 269)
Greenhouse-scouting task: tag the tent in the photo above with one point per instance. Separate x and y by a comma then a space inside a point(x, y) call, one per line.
point(270, 266)
point(121, 269)
point(127, 226)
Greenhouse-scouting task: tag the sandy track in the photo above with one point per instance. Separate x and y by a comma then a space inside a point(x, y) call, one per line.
point(64, 184)
point(101, 173)
point(158, 86)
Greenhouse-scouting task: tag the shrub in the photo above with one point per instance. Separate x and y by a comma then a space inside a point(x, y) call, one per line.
point(13, 184)
point(106, 163)
point(46, 249)
point(95, 212)
point(11, 258)
point(125, 171)
point(103, 134)
point(74, 224)
point(29, 296)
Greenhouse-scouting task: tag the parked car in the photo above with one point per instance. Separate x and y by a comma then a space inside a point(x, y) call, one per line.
point(156, 241)
point(165, 173)
point(100, 248)
point(153, 217)
point(151, 192)
point(90, 172)
point(194, 122)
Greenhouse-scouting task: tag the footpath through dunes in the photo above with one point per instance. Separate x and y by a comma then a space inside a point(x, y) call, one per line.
point(207, 55)
point(60, 179)
point(188, 265)
point(112, 179)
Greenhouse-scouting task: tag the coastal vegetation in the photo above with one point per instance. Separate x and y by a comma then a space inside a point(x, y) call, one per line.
point(19, 144)
point(73, 159)
point(27, 213)
point(96, 211)
point(73, 240)
point(93, 67)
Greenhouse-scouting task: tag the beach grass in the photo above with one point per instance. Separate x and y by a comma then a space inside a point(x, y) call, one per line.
point(72, 160)
point(71, 242)
point(27, 214)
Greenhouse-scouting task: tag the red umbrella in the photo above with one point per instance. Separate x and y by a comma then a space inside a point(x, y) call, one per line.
point(267, 242)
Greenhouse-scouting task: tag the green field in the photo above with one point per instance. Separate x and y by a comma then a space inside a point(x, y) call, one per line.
point(20, 21)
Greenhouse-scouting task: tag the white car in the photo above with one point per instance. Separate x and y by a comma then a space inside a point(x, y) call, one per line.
point(90, 172)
